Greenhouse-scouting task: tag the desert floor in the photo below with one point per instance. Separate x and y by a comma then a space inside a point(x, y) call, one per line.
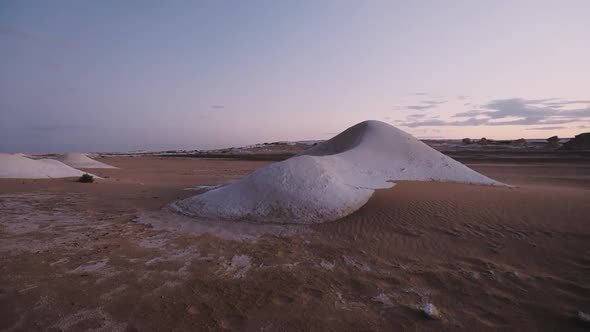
point(109, 256)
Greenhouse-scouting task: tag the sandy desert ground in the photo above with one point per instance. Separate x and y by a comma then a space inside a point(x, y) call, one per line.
point(109, 256)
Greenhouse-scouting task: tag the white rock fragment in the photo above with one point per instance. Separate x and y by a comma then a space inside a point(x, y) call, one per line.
point(238, 266)
point(430, 311)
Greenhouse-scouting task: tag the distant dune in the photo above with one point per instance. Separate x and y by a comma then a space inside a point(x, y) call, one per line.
point(79, 160)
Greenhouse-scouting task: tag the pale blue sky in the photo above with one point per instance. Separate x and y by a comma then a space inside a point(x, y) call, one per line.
point(121, 75)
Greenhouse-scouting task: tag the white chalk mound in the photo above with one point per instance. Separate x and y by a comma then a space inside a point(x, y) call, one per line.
point(15, 166)
point(80, 160)
point(330, 180)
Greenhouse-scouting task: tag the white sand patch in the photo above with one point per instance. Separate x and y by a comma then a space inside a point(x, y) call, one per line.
point(28, 288)
point(227, 230)
point(383, 299)
point(33, 229)
point(153, 243)
point(109, 295)
point(330, 180)
point(99, 268)
point(342, 303)
point(60, 261)
point(350, 261)
point(328, 265)
point(174, 255)
point(80, 160)
point(107, 323)
point(182, 273)
point(204, 187)
point(92, 266)
point(19, 167)
point(170, 284)
point(238, 266)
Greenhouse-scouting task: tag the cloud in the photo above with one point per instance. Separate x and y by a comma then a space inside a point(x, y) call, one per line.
point(217, 106)
point(420, 107)
point(426, 105)
point(547, 128)
point(560, 104)
point(514, 111)
point(433, 102)
point(467, 114)
point(60, 127)
point(420, 93)
point(35, 36)
point(19, 32)
point(438, 123)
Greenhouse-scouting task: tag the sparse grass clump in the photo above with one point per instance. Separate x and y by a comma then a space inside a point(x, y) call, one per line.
point(86, 178)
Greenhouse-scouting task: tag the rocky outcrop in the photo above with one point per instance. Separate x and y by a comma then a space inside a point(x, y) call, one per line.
point(553, 142)
point(580, 142)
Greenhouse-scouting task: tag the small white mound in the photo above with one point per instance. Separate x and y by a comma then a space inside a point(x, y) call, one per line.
point(330, 180)
point(300, 190)
point(19, 167)
point(80, 160)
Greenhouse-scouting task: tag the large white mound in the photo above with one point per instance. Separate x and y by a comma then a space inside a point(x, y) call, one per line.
point(80, 160)
point(330, 180)
point(383, 152)
point(19, 167)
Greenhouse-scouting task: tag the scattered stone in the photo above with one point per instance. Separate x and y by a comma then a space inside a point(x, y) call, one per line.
point(430, 311)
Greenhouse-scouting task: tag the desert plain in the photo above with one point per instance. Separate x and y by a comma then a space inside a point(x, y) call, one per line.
point(112, 256)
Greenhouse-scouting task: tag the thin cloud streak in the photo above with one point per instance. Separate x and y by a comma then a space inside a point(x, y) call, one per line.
point(60, 127)
point(547, 128)
point(512, 112)
point(34, 36)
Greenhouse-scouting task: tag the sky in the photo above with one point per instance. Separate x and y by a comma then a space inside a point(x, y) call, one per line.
point(152, 75)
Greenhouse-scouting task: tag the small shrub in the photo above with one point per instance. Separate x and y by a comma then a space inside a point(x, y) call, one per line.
point(86, 178)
